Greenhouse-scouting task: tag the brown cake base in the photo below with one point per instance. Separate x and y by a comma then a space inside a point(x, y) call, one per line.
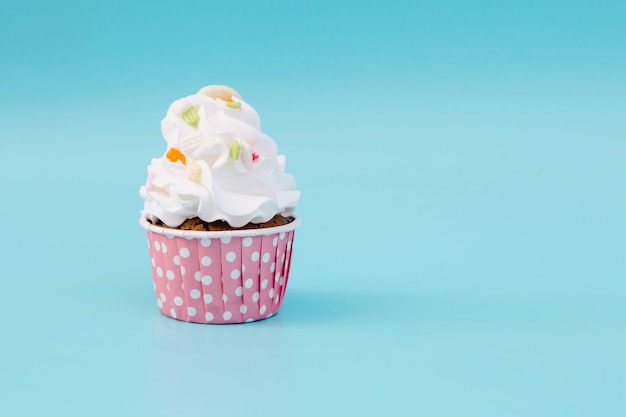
point(219, 226)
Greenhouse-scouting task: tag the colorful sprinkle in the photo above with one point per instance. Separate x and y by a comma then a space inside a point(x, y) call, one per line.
point(175, 155)
point(195, 170)
point(235, 148)
point(191, 117)
point(255, 156)
point(233, 104)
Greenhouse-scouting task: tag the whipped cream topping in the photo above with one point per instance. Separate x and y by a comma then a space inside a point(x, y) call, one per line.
point(218, 165)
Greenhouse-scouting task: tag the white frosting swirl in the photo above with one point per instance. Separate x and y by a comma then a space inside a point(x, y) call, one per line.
point(218, 166)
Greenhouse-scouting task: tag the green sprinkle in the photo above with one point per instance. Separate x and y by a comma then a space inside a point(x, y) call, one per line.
point(235, 148)
point(190, 116)
point(233, 104)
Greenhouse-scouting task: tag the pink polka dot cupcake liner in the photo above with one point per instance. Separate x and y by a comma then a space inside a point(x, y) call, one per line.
point(220, 277)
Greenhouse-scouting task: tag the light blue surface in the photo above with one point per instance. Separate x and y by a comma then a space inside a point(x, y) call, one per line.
point(462, 167)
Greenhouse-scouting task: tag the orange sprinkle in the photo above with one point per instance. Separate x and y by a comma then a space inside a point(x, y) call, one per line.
point(174, 155)
point(229, 99)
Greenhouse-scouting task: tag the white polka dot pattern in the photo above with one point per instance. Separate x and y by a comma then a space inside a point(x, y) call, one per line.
point(220, 280)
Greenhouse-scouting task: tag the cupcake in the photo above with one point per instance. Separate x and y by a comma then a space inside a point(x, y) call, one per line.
point(219, 213)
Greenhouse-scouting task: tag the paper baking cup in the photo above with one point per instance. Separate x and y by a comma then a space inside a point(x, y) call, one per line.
point(220, 277)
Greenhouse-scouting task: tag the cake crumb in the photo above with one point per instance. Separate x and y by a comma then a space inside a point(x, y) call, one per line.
point(218, 226)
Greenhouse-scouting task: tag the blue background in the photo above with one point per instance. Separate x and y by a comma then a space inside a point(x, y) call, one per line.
point(462, 167)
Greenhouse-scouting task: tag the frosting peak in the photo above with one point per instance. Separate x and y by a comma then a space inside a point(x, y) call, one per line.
point(218, 165)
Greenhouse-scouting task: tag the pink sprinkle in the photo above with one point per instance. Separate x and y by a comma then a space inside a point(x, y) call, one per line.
point(151, 176)
point(255, 156)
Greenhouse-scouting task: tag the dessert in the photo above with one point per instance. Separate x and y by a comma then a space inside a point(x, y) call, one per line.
point(219, 212)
